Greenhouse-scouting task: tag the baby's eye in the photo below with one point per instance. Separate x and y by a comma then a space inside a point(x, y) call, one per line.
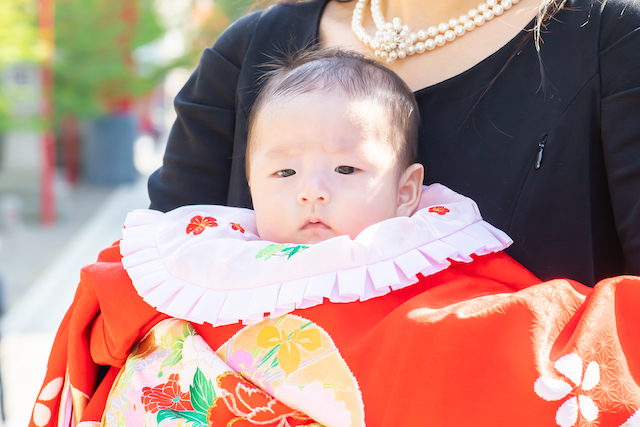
point(346, 170)
point(285, 173)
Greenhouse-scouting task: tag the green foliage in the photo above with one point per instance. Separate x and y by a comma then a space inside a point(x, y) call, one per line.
point(94, 43)
point(19, 42)
point(18, 32)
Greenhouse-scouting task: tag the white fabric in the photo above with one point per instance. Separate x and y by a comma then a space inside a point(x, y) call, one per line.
point(215, 276)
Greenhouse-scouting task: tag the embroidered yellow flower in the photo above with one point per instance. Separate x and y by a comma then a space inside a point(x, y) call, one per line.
point(289, 354)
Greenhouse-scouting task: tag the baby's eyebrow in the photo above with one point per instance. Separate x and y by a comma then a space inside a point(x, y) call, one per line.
point(283, 151)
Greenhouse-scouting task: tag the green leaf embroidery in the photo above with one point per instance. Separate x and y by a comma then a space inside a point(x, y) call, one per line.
point(269, 251)
point(197, 418)
point(281, 251)
point(202, 393)
point(188, 329)
point(293, 249)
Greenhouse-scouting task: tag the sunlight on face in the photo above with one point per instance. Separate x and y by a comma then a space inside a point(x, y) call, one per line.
point(321, 166)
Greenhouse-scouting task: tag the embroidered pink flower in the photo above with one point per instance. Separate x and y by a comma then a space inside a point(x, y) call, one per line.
point(242, 362)
point(166, 396)
point(241, 404)
point(198, 224)
point(440, 210)
point(237, 227)
point(551, 389)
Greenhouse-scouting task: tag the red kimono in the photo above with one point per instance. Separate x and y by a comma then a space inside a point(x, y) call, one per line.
point(480, 342)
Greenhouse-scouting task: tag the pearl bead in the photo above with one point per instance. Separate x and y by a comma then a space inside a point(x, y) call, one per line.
point(406, 29)
point(482, 7)
point(419, 47)
point(506, 4)
point(432, 31)
point(498, 10)
point(422, 35)
point(393, 55)
point(403, 34)
point(390, 61)
point(396, 23)
point(479, 20)
point(402, 54)
point(388, 26)
point(430, 44)
point(439, 39)
point(469, 25)
point(387, 38)
point(453, 22)
point(488, 14)
point(411, 50)
point(443, 26)
point(377, 52)
point(491, 3)
point(473, 13)
point(459, 30)
point(383, 54)
point(463, 19)
point(449, 35)
point(515, 1)
point(393, 46)
point(413, 37)
point(402, 46)
point(360, 5)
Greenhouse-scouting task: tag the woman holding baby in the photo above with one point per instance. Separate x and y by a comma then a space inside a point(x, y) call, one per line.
point(403, 310)
point(528, 107)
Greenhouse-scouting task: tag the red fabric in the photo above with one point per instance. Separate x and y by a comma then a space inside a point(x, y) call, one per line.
point(462, 347)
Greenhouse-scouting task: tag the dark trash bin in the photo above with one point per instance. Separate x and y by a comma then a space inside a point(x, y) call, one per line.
point(107, 152)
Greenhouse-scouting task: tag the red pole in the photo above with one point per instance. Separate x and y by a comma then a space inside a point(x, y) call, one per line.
point(47, 194)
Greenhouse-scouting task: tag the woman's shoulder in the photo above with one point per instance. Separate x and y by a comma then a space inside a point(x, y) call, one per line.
point(614, 19)
point(619, 18)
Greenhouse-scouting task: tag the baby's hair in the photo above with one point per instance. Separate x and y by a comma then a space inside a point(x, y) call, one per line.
point(350, 74)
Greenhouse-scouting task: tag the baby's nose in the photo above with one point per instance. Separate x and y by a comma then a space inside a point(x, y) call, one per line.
point(313, 192)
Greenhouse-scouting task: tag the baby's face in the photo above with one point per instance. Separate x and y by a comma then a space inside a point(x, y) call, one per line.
point(321, 166)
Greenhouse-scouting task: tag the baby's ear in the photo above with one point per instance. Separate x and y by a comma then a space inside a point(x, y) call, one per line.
point(410, 189)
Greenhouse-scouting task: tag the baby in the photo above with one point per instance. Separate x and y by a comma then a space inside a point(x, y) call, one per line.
point(337, 195)
point(332, 148)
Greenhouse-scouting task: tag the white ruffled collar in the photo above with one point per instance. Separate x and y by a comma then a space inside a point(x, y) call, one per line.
point(206, 263)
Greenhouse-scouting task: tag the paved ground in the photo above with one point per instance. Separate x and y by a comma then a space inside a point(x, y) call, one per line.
point(42, 283)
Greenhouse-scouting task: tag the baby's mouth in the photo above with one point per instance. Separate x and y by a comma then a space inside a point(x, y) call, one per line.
point(315, 224)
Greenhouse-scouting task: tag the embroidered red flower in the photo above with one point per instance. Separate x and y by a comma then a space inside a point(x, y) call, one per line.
point(440, 210)
point(242, 404)
point(166, 396)
point(237, 227)
point(198, 224)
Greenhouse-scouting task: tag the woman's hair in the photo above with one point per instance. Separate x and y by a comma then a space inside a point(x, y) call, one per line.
point(349, 74)
point(547, 10)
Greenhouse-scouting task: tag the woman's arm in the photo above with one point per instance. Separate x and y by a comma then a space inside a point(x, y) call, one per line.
point(620, 103)
point(197, 161)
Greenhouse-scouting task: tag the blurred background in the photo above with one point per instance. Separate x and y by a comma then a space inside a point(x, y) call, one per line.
point(86, 103)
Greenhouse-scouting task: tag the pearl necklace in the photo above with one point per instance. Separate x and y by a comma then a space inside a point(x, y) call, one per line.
point(395, 41)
